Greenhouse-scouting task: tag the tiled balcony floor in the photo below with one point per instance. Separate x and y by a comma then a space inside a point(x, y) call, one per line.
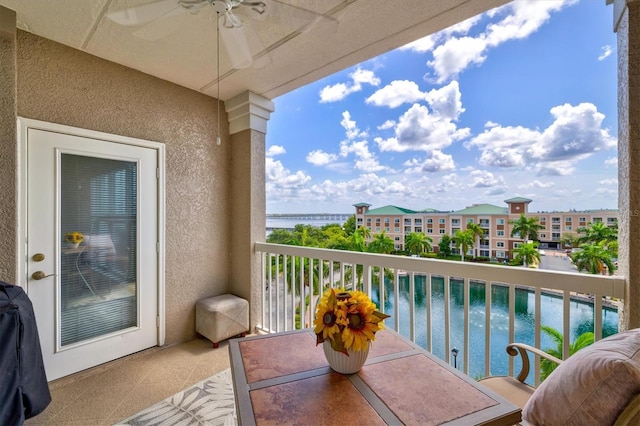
point(109, 393)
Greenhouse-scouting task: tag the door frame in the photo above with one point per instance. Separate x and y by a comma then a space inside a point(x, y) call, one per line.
point(23, 125)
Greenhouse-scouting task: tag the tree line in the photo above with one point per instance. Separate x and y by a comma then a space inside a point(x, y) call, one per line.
point(594, 249)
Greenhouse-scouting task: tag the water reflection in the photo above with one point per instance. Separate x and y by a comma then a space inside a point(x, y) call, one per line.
point(581, 319)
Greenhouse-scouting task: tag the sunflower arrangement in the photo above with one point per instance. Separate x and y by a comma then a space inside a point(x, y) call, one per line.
point(349, 320)
point(74, 237)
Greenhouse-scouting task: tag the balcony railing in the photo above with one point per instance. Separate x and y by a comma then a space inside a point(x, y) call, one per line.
point(286, 268)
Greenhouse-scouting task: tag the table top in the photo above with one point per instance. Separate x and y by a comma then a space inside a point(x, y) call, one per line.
point(284, 378)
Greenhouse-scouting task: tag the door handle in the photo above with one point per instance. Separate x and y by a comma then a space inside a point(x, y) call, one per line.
point(38, 275)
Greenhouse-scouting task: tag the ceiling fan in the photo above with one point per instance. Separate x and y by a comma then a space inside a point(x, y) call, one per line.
point(241, 42)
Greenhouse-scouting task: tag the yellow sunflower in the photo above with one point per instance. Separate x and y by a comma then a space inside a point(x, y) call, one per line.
point(349, 320)
point(362, 326)
point(325, 323)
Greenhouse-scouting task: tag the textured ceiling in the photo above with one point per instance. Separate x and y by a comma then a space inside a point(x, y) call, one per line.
point(289, 50)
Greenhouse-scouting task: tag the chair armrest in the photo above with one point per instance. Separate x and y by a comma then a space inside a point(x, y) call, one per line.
point(514, 349)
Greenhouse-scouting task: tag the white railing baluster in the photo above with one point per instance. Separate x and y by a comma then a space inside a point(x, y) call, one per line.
point(277, 261)
point(597, 317)
point(428, 312)
point(487, 328)
point(536, 332)
point(381, 290)
point(263, 282)
point(566, 321)
point(366, 279)
point(270, 294)
point(512, 318)
point(396, 300)
point(412, 306)
point(465, 338)
point(447, 318)
point(285, 298)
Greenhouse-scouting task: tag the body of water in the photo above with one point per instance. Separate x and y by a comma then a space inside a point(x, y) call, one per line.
point(581, 314)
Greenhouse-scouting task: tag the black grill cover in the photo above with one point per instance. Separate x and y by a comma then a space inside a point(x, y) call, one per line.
point(24, 392)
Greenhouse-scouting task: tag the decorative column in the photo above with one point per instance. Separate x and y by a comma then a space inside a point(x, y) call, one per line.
point(8, 146)
point(627, 26)
point(248, 116)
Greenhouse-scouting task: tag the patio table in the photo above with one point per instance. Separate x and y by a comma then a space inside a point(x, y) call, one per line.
point(284, 378)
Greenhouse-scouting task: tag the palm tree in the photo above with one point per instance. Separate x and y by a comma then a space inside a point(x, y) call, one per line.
point(582, 341)
point(358, 242)
point(594, 258)
point(598, 232)
point(381, 244)
point(463, 240)
point(417, 242)
point(477, 232)
point(526, 227)
point(527, 253)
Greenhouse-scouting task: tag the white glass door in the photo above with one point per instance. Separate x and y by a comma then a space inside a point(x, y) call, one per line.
point(92, 248)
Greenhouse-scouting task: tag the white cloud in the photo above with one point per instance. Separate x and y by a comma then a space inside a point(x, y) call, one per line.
point(365, 160)
point(389, 124)
point(536, 184)
point(320, 158)
point(427, 43)
point(422, 45)
point(446, 102)
point(334, 93)
point(575, 134)
point(485, 179)
point(455, 55)
point(339, 91)
point(609, 182)
point(556, 168)
point(419, 129)
point(277, 176)
point(523, 17)
point(396, 93)
point(436, 161)
point(606, 52)
point(274, 150)
point(351, 129)
point(611, 162)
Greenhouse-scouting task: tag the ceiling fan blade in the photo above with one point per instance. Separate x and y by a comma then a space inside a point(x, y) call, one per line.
point(143, 14)
point(236, 46)
point(243, 46)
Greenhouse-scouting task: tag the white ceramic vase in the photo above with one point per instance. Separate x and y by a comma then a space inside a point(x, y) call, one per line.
point(342, 363)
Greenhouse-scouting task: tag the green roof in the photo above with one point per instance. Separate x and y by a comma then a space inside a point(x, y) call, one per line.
point(362, 205)
point(430, 210)
point(479, 209)
point(390, 210)
point(518, 200)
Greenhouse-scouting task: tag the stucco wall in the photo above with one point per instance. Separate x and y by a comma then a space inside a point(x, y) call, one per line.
point(628, 33)
point(7, 145)
point(62, 85)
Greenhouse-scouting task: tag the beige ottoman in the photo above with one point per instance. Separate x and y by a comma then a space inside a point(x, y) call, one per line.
point(221, 317)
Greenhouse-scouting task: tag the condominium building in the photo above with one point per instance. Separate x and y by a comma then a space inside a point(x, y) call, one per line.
point(497, 242)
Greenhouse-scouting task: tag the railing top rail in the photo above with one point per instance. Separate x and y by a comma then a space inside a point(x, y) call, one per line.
point(611, 286)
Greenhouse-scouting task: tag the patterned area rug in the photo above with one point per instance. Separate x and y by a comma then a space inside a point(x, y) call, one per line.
point(209, 402)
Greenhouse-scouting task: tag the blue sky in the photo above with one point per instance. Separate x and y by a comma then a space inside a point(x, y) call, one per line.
point(519, 101)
